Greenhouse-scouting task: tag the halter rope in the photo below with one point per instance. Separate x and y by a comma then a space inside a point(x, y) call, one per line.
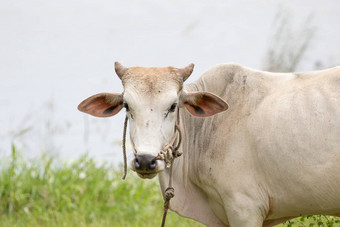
point(124, 147)
point(169, 152)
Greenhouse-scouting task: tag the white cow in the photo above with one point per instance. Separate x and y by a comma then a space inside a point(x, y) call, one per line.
point(274, 155)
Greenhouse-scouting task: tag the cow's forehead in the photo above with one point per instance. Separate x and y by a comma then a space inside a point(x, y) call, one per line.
point(152, 81)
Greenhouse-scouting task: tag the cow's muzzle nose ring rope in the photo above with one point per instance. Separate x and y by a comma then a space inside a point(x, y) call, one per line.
point(169, 152)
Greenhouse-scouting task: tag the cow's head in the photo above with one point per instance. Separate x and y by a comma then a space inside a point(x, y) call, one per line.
point(151, 98)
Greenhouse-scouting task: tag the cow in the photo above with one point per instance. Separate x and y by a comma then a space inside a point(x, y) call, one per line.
point(273, 155)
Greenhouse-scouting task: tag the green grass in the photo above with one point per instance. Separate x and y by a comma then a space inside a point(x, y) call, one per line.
point(49, 192)
point(313, 221)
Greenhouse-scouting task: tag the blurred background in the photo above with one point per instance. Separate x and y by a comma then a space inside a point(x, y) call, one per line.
point(54, 54)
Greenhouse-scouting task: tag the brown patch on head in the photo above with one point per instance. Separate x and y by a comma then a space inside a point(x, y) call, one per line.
point(152, 80)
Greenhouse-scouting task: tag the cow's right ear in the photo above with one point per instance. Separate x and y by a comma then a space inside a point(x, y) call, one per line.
point(102, 104)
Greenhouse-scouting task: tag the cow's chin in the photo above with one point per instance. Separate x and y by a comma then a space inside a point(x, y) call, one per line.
point(147, 175)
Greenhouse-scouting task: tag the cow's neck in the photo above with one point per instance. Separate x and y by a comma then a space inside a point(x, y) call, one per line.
point(190, 200)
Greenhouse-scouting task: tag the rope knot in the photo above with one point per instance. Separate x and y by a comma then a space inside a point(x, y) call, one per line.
point(171, 151)
point(169, 193)
point(166, 155)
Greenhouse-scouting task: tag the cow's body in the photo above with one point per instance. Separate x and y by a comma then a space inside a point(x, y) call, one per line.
point(274, 155)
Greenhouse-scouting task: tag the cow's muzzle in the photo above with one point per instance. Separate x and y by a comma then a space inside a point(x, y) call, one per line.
point(145, 166)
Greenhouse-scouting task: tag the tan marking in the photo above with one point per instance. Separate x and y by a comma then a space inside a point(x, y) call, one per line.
point(152, 80)
point(148, 79)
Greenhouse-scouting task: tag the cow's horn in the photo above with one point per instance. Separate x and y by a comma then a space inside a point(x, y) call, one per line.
point(120, 69)
point(186, 72)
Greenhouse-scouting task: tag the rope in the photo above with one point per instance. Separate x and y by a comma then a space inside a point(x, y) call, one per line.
point(124, 147)
point(169, 194)
point(169, 152)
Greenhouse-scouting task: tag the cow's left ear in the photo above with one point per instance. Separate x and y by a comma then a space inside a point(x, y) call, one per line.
point(203, 104)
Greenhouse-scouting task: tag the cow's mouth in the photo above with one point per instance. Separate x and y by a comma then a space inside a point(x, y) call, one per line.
point(146, 175)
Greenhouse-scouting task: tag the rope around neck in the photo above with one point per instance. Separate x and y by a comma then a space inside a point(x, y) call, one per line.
point(169, 152)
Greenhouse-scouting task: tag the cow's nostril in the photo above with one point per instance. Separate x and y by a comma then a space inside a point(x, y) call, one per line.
point(137, 164)
point(153, 164)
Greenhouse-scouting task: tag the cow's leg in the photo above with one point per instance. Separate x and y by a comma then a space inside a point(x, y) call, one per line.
point(243, 211)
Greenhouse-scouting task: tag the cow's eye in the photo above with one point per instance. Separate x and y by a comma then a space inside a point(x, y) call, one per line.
point(126, 106)
point(173, 107)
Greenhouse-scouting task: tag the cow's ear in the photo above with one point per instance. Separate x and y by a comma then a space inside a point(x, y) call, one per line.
point(203, 104)
point(102, 104)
